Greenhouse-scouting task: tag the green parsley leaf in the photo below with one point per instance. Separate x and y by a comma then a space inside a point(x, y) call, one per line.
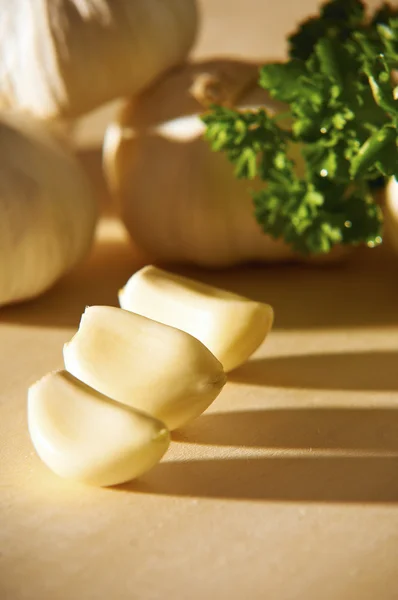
point(343, 110)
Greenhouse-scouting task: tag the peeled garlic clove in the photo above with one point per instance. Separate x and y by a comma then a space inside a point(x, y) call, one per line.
point(153, 367)
point(65, 58)
point(47, 210)
point(83, 435)
point(231, 326)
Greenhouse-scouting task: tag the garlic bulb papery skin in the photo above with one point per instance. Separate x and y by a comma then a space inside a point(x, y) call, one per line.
point(390, 201)
point(47, 210)
point(180, 201)
point(64, 58)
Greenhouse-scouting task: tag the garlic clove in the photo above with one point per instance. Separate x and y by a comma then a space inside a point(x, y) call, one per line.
point(83, 435)
point(151, 366)
point(231, 326)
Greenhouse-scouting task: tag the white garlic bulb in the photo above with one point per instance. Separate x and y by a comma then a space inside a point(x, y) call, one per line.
point(47, 211)
point(63, 58)
point(179, 200)
point(390, 206)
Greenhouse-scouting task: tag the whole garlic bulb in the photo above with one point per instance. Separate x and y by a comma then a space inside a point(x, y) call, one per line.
point(47, 211)
point(179, 200)
point(63, 58)
point(390, 206)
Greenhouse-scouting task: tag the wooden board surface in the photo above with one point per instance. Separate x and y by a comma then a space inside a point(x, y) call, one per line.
point(286, 489)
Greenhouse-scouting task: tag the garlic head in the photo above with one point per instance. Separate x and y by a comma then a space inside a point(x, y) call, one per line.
point(180, 201)
point(47, 210)
point(64, 58)
point(390, 202)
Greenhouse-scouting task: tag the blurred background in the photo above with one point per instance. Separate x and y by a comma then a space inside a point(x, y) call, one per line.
point(252, 28)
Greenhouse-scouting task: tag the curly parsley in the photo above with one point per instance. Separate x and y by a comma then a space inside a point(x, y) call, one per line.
point(343, 112)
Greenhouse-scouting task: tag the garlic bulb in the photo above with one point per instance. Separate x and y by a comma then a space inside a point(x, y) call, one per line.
point(179, 200)
point(391, 213)
point(63, 58)
point(47, 212)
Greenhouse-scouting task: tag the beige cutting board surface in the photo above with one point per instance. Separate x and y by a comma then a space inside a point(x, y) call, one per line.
point(286, 489)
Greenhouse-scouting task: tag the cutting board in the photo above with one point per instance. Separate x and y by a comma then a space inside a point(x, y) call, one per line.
point(285, 489)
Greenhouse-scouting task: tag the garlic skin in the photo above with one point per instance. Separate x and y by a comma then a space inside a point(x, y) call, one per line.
point(47, 210)
point(179, 200)
point(155, 368)
point(231, 326)
point(64, 58)
point(82, 435)
point(391, 213)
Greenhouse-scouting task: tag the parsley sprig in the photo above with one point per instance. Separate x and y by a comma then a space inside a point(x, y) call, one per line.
point(342, 112)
